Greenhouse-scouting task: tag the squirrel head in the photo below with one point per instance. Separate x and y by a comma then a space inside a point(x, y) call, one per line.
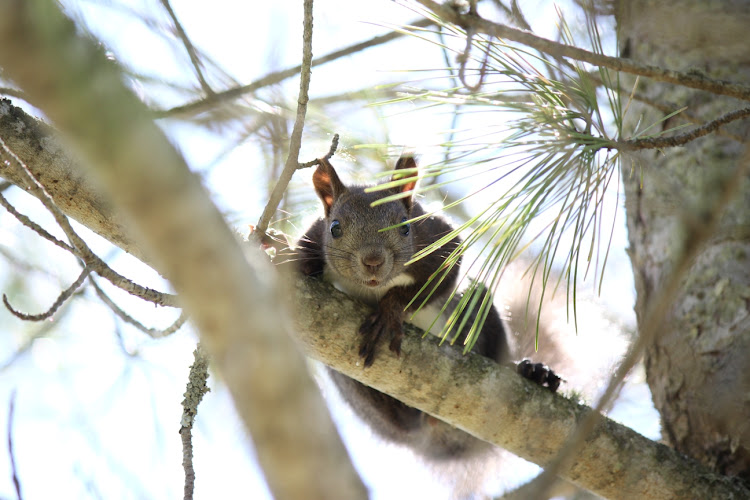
point(356, 246)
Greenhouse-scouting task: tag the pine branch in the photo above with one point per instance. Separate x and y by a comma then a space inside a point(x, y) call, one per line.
point(682, 139)
point(478, 24)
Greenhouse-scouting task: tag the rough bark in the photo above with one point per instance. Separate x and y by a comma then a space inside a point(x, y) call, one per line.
point(494, 404)
point(697, 368)
point(240, 315)
point(47, 157)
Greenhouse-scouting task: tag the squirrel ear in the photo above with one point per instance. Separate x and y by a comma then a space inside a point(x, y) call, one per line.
point(406, 162)
point(327, 184)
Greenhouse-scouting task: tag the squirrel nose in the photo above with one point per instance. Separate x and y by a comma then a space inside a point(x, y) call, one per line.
point(373, 262)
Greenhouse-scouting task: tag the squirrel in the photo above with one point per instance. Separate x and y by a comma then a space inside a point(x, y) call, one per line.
point(349, 247)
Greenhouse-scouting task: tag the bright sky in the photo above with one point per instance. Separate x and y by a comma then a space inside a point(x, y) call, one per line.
point(98, 403)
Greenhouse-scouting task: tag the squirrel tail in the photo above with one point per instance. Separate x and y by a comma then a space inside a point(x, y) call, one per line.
point(583, 346)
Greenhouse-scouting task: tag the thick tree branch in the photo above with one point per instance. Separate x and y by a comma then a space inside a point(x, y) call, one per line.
point(477, 24)
point(493, 403)
point(61, 173)
point(242, 321)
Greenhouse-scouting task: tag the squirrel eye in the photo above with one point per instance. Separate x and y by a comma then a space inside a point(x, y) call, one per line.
point(405, 228)
point(336, 230)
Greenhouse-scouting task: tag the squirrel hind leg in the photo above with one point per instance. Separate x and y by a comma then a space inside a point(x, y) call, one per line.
point(539, 373)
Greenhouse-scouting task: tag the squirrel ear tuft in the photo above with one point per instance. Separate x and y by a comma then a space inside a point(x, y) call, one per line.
point(407, 162)
point(327, 184)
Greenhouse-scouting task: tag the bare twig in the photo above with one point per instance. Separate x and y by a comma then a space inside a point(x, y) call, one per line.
point(33, 225)
point(78, 246)
point(682, 139)
point(151, 332)
point(518, 16)
point(691, 80)
point(14, 471)
point(189, 48)
point(279, 76)
point(464, 57)
point(317, 161)
point(666, 108)
point(61, 299)
point(196, 389)
point(697, 234)
point(295, 141)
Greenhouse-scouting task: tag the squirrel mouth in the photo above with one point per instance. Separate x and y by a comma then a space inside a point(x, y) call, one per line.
point(372, 283)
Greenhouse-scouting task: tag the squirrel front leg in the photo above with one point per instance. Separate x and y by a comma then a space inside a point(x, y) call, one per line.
point(387, 319)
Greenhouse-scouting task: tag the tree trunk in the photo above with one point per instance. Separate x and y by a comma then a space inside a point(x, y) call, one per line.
point(697, 366)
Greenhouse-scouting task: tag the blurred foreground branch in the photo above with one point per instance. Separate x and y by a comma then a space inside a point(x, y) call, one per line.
point(240, 317)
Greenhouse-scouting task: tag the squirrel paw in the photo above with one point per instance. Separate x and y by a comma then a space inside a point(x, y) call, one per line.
point(310, 267)
point(373, 329)
point(539, 373)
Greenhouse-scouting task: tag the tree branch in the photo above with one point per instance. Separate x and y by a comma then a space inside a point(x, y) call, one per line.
point(682, 139)
point(328, 155)
point(692, 80)
point(295, 141)
point(61, 299)
point(493, 403)
point(154, 333)
point(188, 47)
point(53, 165)
point(77, 245)
point(196, 389)
point(33, 225)
point(279, 76)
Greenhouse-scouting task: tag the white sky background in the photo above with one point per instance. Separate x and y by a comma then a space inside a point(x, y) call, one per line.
point(97, 414)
